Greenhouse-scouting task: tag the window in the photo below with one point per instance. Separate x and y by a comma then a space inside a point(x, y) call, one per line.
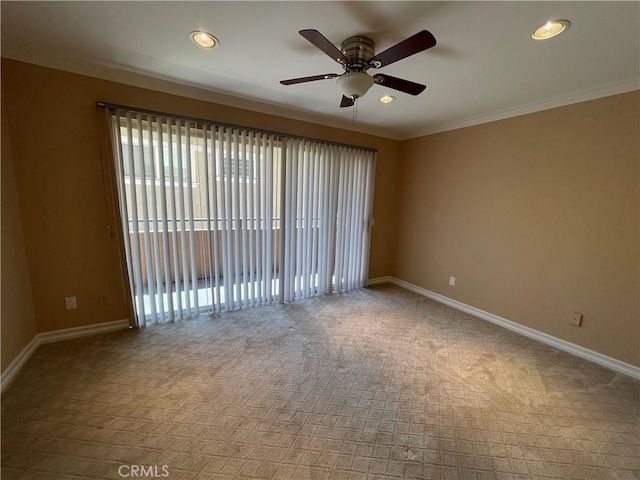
point(150, 152)
point(225, 217)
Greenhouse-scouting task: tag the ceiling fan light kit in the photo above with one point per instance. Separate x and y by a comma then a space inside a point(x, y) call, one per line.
point(354, 84)
point(357, 55)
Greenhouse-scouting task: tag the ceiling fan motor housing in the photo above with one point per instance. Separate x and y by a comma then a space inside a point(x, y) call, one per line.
point(358, 49)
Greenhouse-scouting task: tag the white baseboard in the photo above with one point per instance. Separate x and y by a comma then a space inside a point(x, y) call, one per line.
point(17, 363)
point(379, 280)
point(84, 331)
point(55, 336)
point(595, 357)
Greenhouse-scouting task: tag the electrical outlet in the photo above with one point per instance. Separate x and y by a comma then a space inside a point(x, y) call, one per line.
point(575, 319)
point(452, 281)
point(70, 303)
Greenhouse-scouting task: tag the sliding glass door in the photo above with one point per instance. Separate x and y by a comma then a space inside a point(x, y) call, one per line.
point(218, 218)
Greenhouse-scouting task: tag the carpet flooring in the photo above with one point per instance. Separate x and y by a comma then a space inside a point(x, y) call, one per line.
point(376, 384)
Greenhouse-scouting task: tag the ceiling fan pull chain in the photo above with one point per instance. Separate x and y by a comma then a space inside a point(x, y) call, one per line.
point(354, 111)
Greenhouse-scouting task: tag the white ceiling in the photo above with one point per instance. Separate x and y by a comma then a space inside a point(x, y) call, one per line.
point(486, 66)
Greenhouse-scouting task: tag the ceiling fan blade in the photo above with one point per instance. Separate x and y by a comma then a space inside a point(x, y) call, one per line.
point(325, 45)
point(293, 81)
point(346, 102)
point(400, 84)
point(412, 45)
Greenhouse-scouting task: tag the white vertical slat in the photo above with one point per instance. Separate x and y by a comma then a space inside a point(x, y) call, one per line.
point(251, 219)
point(133, 226)
point(172, 132)
point(340, 224)
point(208, 188)
point(308, 230)
point(355, 228)
point(265, 225)
point(216, 162)
point(145, 219)
point(329, 220)
point(300, 221)
point(370, 181)
point(199, 172)
point(193, 292)
point(369, 164)
point(227, 198)
point(268, 200)
point(360, 221)
point(182, 220)
point(304, 243)
point(235, 206)
point(244, 221)
point(155, 232)
point(349, 222)
point(289, 215)
point(257, 210)
point(224, 217)
point(357, 221)
point(322, 221)
point(164, 218)
point(290, 218)
point(263, 220)
point(363, 221)
point(319, 255)
point(311, 234)
point(203, 222)
point(123, 194)
point(137, 212)
point(314, 216)
point(282, 237)
point(231, 245)
point(275, 214)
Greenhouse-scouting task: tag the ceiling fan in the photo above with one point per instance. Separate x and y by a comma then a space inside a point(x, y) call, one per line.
point(357, 55)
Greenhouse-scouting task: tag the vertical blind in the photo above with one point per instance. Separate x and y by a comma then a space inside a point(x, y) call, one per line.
point(219, 217)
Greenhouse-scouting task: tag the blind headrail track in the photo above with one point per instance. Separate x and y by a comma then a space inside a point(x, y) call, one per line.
point(202, 121)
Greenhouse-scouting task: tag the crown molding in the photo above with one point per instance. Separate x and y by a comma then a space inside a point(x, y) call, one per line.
point(572, 98)
point(200, 92)
point(175, 86)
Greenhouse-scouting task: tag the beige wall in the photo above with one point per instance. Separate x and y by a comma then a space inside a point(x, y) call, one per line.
point(53, 120)
point(536, 216)
point(18, 323)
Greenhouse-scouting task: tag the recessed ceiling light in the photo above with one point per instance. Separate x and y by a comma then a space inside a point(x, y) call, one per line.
point(387, 99)
point(551, 29)
point(204, 39)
